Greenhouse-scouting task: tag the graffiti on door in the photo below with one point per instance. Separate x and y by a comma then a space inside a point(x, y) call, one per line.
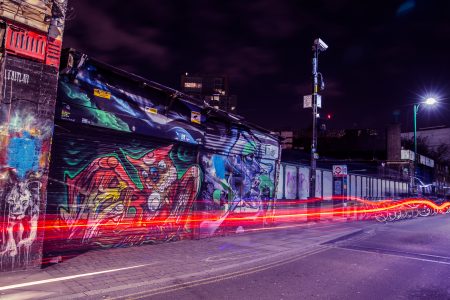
point(129, 199)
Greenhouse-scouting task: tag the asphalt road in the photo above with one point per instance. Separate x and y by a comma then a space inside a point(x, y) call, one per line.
point(408, 259)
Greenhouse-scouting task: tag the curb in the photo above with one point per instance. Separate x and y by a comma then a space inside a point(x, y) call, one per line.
point(343, 237)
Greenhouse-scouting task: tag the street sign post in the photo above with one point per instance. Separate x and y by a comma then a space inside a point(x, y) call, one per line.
point(340, 185)
point(339, 170)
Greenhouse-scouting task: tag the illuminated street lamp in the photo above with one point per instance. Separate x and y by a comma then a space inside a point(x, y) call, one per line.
point(429, 102)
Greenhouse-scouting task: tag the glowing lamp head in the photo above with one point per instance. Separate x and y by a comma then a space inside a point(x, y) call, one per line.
point(430, 101)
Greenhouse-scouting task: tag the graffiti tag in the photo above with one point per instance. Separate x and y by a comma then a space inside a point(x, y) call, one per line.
point(17, 76)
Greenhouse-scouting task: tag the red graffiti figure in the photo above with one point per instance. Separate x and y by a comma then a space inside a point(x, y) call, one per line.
point(106, 207)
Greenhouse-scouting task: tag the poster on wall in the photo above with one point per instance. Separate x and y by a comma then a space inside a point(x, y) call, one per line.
point(358, 187)
point(353, 186)
point(327, 185)
point(318, 183)
point(303, 183)
point(290, 183)
point(364, 187)
point(280, 183)
point(373, 187)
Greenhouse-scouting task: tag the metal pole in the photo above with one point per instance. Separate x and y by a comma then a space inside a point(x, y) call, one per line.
point(416, 109)
point(312, 174)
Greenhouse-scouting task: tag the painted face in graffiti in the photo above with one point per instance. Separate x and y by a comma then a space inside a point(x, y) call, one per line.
point(19, 200)
point(23, 215)
point(157, 173)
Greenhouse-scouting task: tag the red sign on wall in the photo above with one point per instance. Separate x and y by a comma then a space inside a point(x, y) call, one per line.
point(25, 43)
point(339, 170)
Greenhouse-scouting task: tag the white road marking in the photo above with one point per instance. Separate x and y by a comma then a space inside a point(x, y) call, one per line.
point(396, 255)
point(38, 282)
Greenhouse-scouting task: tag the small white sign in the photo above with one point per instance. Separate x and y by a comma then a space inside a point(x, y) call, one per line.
point(308, 101)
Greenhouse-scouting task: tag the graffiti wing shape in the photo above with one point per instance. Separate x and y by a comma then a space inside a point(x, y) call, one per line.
point(98, 195)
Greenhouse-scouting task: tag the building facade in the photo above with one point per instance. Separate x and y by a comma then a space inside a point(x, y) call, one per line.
point(212, 89)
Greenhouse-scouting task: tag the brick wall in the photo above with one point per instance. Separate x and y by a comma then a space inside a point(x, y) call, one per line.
point(27, 105)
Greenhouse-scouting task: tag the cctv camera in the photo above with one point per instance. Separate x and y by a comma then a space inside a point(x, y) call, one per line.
point(320, 45)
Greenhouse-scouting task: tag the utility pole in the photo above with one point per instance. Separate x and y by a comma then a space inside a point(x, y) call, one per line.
point(314, 101)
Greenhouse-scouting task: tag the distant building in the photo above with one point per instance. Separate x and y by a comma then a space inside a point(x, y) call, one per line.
point(373, 151)
point(339, 143)
point(214, 89)
point(434, 137)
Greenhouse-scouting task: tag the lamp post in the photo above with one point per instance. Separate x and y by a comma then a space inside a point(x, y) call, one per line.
point(430, 102)
point(318, 46)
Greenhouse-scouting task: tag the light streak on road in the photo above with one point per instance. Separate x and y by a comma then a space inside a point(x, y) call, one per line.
point(38, 282)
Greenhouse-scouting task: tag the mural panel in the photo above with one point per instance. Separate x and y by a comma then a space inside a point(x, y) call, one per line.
point(353, 186)
point(291, 182)
point(318, 192)
point(120, 192)
point(239, 179)
point(303, 183)
point(365, 184)
point(280, 183)
point(92, 94)
point(327, 185)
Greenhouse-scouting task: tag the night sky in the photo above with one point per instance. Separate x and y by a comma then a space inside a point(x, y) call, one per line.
point(382, 57)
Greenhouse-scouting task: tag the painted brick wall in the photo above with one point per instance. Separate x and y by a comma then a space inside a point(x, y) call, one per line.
point(26, 116)
point(27, 105)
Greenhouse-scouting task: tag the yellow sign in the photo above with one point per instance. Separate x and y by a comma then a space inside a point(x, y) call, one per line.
point(196, 117)
point(65, 114)
point(151, 110)
point(102, 94)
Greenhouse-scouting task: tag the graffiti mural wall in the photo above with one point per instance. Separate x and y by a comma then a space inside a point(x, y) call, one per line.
point(135, 162)
point(89, 93)
point(112, 192)
point(239, 167)
point(27, 103)
point(25, 137)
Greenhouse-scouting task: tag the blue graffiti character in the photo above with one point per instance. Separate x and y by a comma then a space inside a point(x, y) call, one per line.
point(23, 154)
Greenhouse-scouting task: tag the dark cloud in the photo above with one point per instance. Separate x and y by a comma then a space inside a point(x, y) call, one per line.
point(97, 31)
point(242, 64)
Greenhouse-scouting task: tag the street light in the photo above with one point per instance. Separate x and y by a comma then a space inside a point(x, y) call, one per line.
point(315, 101)
point(430, 101)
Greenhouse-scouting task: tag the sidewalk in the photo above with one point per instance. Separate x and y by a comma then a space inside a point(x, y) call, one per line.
point(126, 271)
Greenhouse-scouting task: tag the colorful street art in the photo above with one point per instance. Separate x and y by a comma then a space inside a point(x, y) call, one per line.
point(25, 145)
point(135, 194)
point(91, 94)
point(26, 125)
point(240, 181)
point(237, 163)
point(27, 105)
